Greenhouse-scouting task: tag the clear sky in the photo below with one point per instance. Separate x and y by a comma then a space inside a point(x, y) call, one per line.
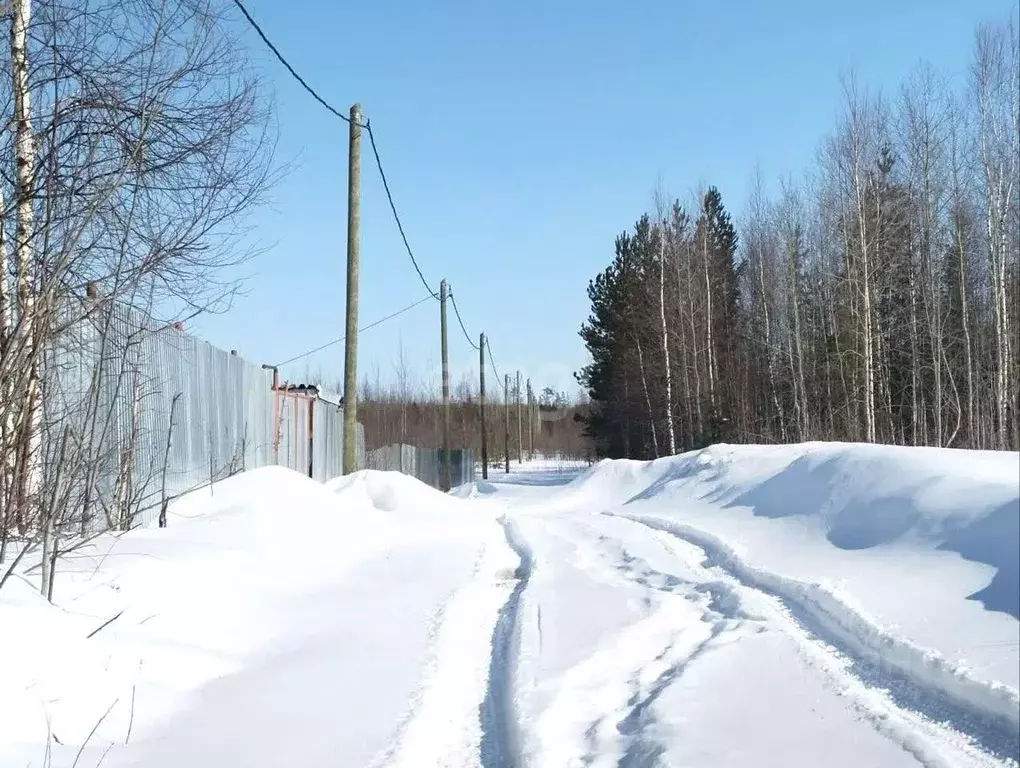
point(520, 137)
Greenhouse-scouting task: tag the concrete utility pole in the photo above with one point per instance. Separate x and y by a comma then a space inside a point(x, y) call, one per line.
point(520, 422)
point(350, 457)
point(446, 481)
point(506, 415)
point(481, 405)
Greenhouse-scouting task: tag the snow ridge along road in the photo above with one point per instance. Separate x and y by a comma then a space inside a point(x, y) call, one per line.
point(915, 678)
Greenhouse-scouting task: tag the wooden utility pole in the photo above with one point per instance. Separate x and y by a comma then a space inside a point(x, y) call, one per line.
point(446, 481)
point(531, 424)
point(506, 415)
point(520, 422)
point(350, 458)
point(481, 405)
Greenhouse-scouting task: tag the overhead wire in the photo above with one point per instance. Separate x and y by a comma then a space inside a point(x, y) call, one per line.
point(460, 321)
point(337, 340)
point(254, 24)
point(499, 379)
point(367, 126)
point(393, 208)
point(389, 197)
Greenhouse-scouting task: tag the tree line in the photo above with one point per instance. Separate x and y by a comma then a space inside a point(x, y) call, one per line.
point(405, 411)
point(876, 299)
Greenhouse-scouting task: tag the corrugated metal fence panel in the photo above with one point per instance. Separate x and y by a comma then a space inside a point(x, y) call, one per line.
point(327, 446)
point(155, 412)
point(423, 463)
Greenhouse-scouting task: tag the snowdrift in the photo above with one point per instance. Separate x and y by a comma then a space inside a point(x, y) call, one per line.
point(904, 557)
point(264, 591)
point(390, 490)
point(862, 496)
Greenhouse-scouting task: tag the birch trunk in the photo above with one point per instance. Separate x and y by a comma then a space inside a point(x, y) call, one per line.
point(648, 399)
point(968, 345)
point(25, 163)
point(770, 362)
point(801, 387)
point(6, 402)
point(708, 322)
point(670, 431)
point(698, 410)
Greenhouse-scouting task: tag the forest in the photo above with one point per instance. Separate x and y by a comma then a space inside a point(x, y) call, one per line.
point(873, 298)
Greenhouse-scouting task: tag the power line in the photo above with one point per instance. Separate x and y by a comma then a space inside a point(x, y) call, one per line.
point(389, 197)
point(345, 118)
point(393, 207)
point(467, 336)
point(360, 330)
point(461, 322)
point(499, 379)
point(285, 63)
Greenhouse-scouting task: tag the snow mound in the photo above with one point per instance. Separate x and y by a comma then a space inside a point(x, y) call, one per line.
point(474, 489)
point(910, 556)
point(866, 496)
point(270, 597)
point(924, 679)
point(268, 489)
point(606, 484)
point(389, 490)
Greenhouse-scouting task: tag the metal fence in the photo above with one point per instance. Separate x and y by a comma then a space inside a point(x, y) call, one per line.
point(423, 463)
point(135, 412)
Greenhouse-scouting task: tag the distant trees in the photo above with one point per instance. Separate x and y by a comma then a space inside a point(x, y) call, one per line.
point(405, 413)
point(877, 300)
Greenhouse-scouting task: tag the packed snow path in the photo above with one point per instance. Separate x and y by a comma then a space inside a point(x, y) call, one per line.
point(792, 606)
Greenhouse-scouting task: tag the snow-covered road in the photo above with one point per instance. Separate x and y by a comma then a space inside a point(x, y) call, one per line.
point(639, 643)
point(795, 607)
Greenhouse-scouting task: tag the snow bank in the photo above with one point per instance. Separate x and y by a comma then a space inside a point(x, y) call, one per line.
point(909, 555)
point(270, 609)
point(863, 496)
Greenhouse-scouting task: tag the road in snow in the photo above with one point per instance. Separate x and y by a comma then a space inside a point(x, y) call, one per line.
point(638, 648)
point(631, 615)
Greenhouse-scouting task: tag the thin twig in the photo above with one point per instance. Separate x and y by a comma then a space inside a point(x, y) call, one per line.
point(131, 717)
point(93, 733)
point(104, 624)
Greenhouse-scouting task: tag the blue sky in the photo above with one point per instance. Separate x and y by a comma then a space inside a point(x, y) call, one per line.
point(519, 138)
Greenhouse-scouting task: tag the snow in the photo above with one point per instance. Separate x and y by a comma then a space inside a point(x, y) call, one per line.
point(741, 605)
point(259, 628)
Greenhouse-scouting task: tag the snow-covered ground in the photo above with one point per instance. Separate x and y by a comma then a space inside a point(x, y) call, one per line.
point(843, 605)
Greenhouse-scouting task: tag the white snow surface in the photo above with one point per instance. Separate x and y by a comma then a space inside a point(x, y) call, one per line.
point(815, 604)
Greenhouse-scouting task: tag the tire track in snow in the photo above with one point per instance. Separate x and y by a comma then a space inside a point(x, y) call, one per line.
point(895, 696)
point(500, 744)
point(444, 728)
point(601, 711)
point(597, 714)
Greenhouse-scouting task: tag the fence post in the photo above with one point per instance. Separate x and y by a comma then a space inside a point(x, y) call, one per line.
point(481, 405)
point(353, 265)
point(445, 469)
